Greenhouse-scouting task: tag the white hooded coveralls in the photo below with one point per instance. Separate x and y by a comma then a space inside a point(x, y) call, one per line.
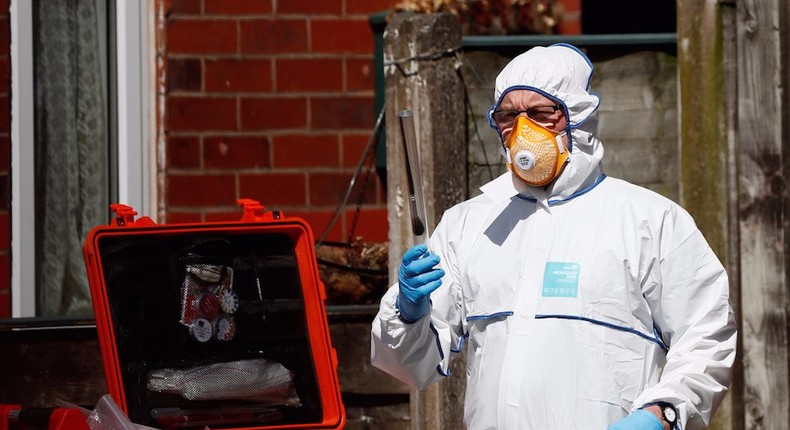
point(578, 303)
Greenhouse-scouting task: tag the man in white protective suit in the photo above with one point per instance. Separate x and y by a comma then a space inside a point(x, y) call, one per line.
point(585, 302)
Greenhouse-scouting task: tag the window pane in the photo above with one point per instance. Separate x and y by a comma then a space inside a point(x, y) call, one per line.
point(71, 146)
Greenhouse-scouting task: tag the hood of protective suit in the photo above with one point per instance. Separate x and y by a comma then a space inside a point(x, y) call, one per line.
point(562, 73)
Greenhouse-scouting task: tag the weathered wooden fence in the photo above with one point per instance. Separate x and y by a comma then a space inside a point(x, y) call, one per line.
point(734, 77)
point(705, 127)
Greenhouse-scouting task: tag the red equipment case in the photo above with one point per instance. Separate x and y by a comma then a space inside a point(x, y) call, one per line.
point(216, 324)
point(16, 417)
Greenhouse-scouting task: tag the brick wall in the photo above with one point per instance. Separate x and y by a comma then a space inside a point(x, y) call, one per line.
point(5, 161)
point(273, 100)
point(270, 100)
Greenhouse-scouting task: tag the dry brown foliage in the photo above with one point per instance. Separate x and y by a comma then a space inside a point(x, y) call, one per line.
point(493, 17)
point(354, 273)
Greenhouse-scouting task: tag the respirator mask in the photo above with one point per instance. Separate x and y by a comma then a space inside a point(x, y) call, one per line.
point(534, 153)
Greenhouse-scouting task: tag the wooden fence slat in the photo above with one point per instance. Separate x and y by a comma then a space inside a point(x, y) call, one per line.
point(762, 179)
point(707, 162)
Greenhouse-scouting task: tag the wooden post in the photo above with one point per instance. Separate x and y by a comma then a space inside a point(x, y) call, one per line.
point(762, 103)
point(420, 58)
point(707, 167)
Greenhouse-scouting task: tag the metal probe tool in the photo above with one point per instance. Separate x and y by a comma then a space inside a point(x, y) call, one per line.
point(419, 219)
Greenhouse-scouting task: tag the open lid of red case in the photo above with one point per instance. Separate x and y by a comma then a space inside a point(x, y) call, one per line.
point(216, 324)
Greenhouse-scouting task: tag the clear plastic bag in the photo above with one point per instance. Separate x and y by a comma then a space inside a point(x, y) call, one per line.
point(259, 380)
point(106, 415)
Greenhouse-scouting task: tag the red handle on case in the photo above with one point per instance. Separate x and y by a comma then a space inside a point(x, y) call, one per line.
point(254, 211)
point(124, 216)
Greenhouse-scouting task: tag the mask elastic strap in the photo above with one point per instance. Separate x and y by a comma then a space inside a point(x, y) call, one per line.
point(558, 140)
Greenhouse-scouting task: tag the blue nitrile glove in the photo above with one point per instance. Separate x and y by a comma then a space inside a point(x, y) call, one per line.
point(417, 279)
point(638, 420)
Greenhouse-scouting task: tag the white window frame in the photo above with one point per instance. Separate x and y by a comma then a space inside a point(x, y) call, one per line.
point(134, 96)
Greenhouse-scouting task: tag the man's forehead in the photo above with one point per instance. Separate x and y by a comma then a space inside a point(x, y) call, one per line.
point(522, 96)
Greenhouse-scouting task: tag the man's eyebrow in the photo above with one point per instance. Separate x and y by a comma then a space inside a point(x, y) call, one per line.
point(533, 105)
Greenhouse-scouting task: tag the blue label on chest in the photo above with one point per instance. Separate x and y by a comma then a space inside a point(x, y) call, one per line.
point(561, 279)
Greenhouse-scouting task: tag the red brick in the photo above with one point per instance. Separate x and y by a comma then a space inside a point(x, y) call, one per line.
point(308, 74)
point(5, 231)
point(269, 113)
point(200, 113)
point(5, 114)
point(238, 7)
point(183, 152)
point(5, 303)
point(569, 5)
point(238, 75)
point(183, 75)
point(353, 145)
point(236, 152)
point(342, 112)
point(267, 36)
point(5, 35)
point(5, 75)
point(310, 7)
point(360, 75)
point(177, 217)
point(569, 26)
point(327, 189)
point(185, 7)
point(201, 190)
point(190, 36)
point(5, 272)
point(306, 151)
point(274, 190)
point(377, 185)
point(5, 154)
point(5, 191)
point(341, 36)
point(371, 225)
point(319, 221)
point(369, 7)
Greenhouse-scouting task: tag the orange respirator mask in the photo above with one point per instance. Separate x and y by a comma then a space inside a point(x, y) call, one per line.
point(534, 153)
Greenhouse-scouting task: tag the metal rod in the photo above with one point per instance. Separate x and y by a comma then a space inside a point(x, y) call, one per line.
point(419, 220)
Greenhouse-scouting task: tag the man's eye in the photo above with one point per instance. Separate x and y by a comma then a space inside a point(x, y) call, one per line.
point(541, 111)
point(505, 115)
point(541, 114)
